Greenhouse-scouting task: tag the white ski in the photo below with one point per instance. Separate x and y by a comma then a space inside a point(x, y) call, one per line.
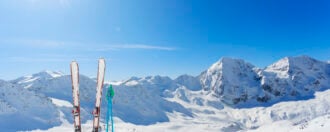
point(99, 86)
point(75, 92)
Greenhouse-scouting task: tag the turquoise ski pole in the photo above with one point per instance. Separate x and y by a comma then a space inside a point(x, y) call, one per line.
point(110, 95)
point(107, 117)
point(111, 116)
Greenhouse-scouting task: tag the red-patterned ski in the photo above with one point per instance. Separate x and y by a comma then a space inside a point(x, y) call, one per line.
point(75, 92)
point(99, 86)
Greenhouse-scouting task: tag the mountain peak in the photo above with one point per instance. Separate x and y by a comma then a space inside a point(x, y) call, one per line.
point(49, 74)
point(54, 73)
point(291, 64)
point(228, 78)
point(227, 62)
point(41, 76)
point(281, 65)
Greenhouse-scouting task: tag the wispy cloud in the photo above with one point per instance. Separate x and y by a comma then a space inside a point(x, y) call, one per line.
point(62, 3)
point(136, 46)
point(48, 59)
point(35, 59)
point(42, 43)
point(56, 44)
point(37, 43)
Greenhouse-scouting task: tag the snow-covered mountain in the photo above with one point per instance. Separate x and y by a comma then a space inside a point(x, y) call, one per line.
point(138, 100)
point(21, 109)
point(231, 95)
point(189, 82)
point(232, 80)
point(295, 77)
point(41, 77)
point(239, 83)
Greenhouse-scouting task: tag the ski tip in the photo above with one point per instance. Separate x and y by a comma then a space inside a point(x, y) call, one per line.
point(101, 59)
point(74, 62)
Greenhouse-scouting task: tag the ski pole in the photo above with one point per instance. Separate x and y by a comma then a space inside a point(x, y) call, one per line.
point(110, 94)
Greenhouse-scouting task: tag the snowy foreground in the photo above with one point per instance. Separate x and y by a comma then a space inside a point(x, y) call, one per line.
point(321, 124)
point(299, 116)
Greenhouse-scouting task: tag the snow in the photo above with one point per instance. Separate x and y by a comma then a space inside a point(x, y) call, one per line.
point(61, 103)
point(305, 116)
point(294, 111)
point(281, 67)
point(132, 83)
point(233, 80)
point(319, 124)
point(114, 82)
point(189, 82)
point(26, 108)
point(27, 86)
point(54, 74)
point(223, 98)
point(240, 84)
point(28, 79)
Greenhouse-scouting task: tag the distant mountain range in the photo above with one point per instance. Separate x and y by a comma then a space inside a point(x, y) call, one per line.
point(38, 101)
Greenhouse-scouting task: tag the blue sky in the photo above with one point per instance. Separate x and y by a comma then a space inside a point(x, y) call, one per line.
point(157, 37)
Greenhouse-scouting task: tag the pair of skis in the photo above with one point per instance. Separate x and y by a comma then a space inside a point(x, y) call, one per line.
point(75, 92)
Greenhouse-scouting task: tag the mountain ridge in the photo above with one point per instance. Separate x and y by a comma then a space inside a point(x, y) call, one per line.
point(227, 85)
point(239, 83)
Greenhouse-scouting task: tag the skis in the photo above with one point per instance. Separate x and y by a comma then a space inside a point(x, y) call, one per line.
point(99, 86)
point(75, 93)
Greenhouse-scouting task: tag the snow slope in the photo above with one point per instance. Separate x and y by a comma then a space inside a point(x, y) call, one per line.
point(57, 87)
point(25, 110)
point(294, 116)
